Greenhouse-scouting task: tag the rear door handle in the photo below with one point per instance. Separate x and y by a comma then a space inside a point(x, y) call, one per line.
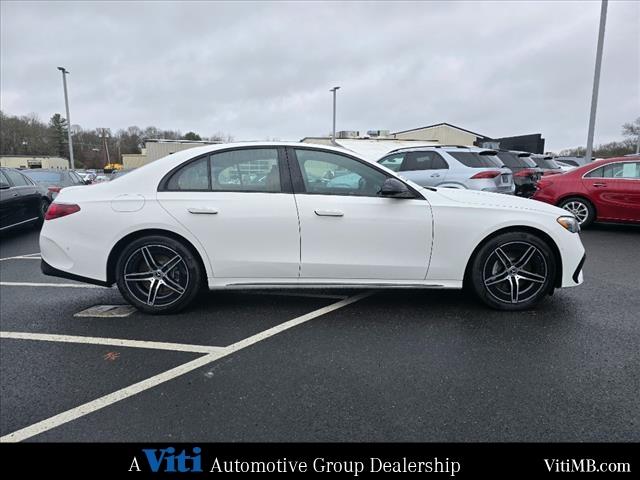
point(203, 211)
point(599, 184)
point(329, 213)
point(435, 174)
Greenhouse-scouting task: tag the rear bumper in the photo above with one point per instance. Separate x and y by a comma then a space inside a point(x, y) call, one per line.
point(54, 272)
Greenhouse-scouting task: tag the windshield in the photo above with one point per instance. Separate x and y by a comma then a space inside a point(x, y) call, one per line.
point(477, 159)
point(512, 160)
point(44, 177)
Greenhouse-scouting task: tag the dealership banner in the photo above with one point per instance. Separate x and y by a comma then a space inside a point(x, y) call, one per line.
point(451, 460)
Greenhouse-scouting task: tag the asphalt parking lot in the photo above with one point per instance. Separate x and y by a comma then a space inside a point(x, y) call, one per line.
point(323, 366)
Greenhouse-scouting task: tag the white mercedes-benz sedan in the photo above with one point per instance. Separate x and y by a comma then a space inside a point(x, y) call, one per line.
point(282, 215)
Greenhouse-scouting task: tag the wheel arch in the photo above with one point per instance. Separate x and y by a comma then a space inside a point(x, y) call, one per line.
point(557, 281)
point(581, 197)
point(121, 244)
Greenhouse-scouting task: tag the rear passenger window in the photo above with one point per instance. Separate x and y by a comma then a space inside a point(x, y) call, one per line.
point(476, 159)
point(423, 161)
point(248, 170)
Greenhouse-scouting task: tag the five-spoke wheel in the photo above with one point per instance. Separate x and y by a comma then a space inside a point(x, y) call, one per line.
point(158, 274)
point(513, 271)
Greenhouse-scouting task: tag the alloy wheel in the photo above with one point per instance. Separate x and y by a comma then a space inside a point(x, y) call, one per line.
point(578, 209)
point(156, 275)
point(515, 272)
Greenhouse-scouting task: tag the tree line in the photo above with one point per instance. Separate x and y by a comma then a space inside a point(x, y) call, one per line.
point(629, 144)
point(28, 135)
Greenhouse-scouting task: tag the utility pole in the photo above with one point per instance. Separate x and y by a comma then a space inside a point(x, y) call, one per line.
point(596, 80)
point(333, 132)
point(65, 72)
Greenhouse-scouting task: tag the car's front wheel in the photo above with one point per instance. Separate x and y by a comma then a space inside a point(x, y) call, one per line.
point(513, 271)
point(158, 274)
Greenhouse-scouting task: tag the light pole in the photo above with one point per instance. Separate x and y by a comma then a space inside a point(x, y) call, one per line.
point(65, 72)
point(596, 80)
point(333, 132)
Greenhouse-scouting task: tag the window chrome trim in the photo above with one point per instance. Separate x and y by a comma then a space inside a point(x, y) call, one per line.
point(584, 176)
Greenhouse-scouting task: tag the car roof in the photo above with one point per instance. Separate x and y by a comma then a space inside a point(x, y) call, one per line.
point(446, 148)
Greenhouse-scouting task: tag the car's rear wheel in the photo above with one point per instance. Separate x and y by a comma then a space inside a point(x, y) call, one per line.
point(158, 274)
point(513, 271)
point(582, 209)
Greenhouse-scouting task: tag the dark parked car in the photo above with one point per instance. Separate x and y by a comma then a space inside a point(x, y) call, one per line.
point(604, 190)
point(54, 180)
point(547, 163)
point(22, 201)
point(525, 171)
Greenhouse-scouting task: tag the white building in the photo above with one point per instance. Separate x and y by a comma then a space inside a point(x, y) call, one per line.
point(37, 161)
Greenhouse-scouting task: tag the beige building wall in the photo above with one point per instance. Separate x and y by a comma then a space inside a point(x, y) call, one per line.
point(134, 160)
point(156, 150)
point(25, 161)
point(443, 134)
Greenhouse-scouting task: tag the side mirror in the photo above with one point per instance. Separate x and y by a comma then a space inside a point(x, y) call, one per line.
point(4, 186)
point(394, 188)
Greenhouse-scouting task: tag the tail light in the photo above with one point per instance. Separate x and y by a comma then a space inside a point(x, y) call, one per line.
point(54, 189)
point(487, 174)
point(57, 210)
point(525, 172)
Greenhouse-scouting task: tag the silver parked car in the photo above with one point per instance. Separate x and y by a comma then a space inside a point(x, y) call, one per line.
point(445, 166)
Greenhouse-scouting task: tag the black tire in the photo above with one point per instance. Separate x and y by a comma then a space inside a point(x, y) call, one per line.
point(158, 275)
point(582, 208)
point(516, 282)
point(42, 210)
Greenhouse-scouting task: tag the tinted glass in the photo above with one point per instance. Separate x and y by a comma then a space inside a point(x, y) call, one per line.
point(75, 178)
point(476, 160)
point(392, 162)
point(45, 177)
point(423, 161)
point(3, 178)
point(194, 176)
point(548, 163)
point(251, 170)
point(512, 160)
point(617, 170)
point(333, 174)
point(597, 173)
point(16, 178)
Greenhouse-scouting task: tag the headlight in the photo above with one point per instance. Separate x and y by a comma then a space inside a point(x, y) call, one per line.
point(570, 223)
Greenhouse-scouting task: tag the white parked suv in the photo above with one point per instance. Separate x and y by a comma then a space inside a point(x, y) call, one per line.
point(273, 215)
point(452, 167)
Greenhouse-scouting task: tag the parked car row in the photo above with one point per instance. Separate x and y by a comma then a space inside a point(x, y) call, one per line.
point(455, 166)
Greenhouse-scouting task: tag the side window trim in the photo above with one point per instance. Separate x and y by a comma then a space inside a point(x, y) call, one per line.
point(586, 174)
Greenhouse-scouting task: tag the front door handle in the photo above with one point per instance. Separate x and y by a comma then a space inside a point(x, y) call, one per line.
point(435, 174)
point(329, 213)
point(203, 211)
point(599, 184)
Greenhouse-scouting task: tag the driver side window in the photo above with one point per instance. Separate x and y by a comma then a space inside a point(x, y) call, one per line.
point(333, 174)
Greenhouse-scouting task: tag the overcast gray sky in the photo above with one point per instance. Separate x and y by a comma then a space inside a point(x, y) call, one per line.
point(263, 70)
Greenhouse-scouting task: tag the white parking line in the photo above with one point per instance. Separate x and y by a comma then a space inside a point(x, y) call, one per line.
point(56, 285)
point(115, 342)
point(28, 256)
point(110, 399)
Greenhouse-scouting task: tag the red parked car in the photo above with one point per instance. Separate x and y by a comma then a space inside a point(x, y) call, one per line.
point(605, 190)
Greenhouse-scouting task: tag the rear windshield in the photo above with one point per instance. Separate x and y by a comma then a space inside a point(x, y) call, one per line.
point(546, 162)
point(44, 177)
point(512, 160)
point(476, 159)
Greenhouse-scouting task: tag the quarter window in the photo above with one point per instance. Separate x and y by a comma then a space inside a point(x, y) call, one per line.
point(423, 161)
point(193, 176)
point(333, 174)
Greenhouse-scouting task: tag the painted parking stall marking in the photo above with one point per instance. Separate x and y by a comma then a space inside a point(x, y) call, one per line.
point(212, 354)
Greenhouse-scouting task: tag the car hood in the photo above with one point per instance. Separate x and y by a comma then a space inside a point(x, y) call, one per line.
point(493, 200)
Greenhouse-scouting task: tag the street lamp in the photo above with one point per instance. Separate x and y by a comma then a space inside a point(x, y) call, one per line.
point(596, 80)
point(333, 134)
point(65, 72)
